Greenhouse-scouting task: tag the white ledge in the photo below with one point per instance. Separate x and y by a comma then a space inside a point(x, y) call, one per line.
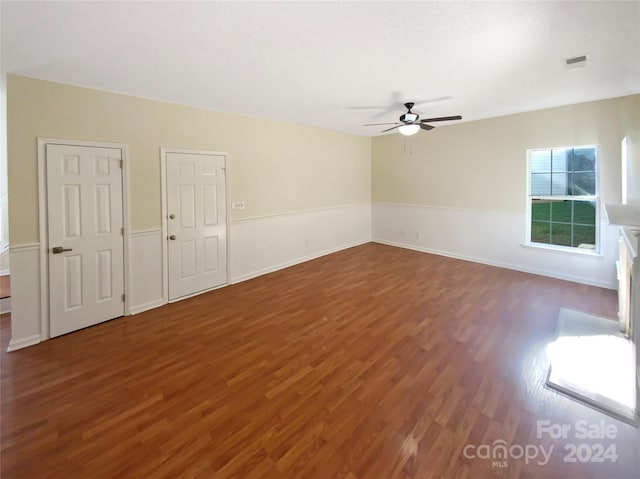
point(623, 215)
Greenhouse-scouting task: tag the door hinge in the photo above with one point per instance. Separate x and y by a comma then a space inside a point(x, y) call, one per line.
point(122, 231)
point(120, 163)
point(123, 298)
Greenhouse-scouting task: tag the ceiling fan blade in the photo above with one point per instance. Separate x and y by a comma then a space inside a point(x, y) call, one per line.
point(442, 118)
point(424, 126)
point(366, 107)
point(395, 104)
point(432, 100)
point(392, 128)
point(378, 124)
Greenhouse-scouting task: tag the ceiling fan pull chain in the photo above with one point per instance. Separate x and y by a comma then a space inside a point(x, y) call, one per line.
point(404, 146)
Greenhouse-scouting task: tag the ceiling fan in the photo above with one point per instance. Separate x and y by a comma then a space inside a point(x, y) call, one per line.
point(410, 123)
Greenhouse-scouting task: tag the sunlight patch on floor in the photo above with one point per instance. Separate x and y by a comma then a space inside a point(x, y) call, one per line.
point(593, 361)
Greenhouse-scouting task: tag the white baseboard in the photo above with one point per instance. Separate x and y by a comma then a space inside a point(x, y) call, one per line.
point(5, 305)
point(491, 237)
point(565, 277)
point(287, 264)
point(23, 342)
point(5, 272)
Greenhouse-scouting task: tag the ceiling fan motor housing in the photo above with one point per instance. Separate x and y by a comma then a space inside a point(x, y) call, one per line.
point(409, 118)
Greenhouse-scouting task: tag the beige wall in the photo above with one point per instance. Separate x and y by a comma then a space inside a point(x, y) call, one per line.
point(630, 120)
point(482, 164)
point(275, 167)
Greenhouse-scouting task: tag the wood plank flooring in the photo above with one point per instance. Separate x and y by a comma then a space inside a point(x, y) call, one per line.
point(370, 363)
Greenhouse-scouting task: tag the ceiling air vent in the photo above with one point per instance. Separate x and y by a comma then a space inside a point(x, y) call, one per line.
point(576, 62)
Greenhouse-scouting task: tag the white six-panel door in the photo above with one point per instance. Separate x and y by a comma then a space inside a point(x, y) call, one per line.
point(196, 222)
point(85, 236)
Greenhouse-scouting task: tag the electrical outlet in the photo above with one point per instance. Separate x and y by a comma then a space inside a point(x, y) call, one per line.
point(237, 205)
point(306, 243)
point(418, 235)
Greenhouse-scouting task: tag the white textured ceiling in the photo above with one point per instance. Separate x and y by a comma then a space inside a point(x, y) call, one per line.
point(312, 62)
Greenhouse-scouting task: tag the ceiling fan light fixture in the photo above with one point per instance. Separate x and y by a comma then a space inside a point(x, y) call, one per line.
point(410, 123)
point(408, 130)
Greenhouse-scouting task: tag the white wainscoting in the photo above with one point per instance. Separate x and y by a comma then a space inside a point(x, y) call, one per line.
point(145, 270)
point(266, 244)
point(25, 296)
point(490, 237)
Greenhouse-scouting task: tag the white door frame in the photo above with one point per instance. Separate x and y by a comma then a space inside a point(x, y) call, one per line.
point(43, 226)
point(165, 227)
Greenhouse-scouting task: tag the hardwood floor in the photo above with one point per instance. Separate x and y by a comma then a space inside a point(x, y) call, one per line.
point(370, 363)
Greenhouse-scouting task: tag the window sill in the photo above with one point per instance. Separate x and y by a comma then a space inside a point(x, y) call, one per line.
point(564, 249)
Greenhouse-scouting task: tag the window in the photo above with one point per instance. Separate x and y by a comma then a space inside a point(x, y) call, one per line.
point(563, 202)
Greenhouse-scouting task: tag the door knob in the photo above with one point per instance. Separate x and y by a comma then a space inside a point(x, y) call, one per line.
point(172, 216)
point(60, 249)
point(172, 237)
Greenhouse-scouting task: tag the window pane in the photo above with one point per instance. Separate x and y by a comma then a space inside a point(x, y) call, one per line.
point(560, 234)
point(583, 184)
point(561, 160)
point(584, 159)
point(541, 184)
point(584, 212)
point(561, 211)
point(540, 161)
point(540, 232)
point(560, 184)
point(584, 235)
point(540, 210)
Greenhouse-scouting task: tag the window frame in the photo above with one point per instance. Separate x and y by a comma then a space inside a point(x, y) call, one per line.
point(593, 198)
